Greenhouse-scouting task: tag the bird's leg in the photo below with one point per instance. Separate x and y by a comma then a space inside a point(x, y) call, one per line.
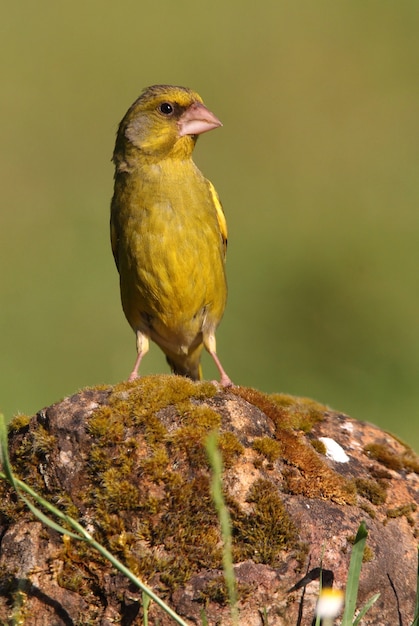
point(225, 380)
point(142, 349)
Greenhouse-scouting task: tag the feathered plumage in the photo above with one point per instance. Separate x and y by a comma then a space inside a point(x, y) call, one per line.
point(168, 230)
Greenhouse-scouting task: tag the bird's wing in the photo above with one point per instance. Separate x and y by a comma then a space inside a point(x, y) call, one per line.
point(114, 241)
point(222, 223)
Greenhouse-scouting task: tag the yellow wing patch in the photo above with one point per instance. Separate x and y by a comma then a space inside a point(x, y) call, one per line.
point(222, 223)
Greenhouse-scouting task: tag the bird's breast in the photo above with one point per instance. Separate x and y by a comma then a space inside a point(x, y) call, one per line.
point(171, 259)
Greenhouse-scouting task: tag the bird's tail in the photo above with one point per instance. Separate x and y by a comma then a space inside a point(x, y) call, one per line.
point(187, 364)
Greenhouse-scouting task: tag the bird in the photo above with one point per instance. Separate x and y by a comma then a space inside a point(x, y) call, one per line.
point(168, 230)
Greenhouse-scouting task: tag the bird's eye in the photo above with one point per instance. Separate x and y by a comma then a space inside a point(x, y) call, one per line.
point(166, 108)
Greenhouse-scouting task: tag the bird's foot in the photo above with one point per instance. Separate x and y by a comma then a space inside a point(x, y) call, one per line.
point(224, 382)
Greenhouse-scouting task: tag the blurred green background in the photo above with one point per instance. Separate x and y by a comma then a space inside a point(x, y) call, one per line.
point(317, 167)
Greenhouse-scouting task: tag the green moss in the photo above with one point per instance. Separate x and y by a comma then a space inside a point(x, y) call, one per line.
point(263, 533)
point(11, 507)
point(149, 394)
point(379, 473)
point(267, 447)
point(384, 455)
point(98, 460)
point(302, 413)
point(230, 447)
point(375, 492)
point(21, 614)
point(407, 461)
point(405, 510)
point(42, 441)
point(155, 466)
point(410, 462)
point(64, 502)
point(215, 590)
point(71, 578)
point(368, 509)
point(19, 422)
point(107, 425)
point(282, 400)
point(74, 574)
point(319, 446)
point(189, 444)
point(119, 493)
point(188, 527)
point(286, 412)
point(177, 513)
point(201, 416)
point(368, 554)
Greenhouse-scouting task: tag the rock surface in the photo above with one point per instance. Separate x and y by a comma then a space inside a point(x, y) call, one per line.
point(129, 463)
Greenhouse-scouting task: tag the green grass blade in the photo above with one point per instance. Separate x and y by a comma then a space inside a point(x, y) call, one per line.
point(366, 608)
point(416, 618)
point(44, 518)
point(146, 604)
point(204, 618)
point(318, 617)
point(216, 462)
point(353, 575)
point(264, 616)
point(4, 451)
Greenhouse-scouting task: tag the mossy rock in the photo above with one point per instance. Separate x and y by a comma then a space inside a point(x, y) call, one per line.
point(129, 462)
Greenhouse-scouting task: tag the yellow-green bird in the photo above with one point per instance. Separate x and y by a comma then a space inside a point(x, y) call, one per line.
point(168, 230)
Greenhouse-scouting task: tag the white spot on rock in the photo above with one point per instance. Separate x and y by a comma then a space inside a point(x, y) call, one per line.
point(334, 451)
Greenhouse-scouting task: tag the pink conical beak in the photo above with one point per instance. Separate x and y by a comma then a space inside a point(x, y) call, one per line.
point(197, 119)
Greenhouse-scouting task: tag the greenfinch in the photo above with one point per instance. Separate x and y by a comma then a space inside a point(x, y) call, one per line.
point(168, 230)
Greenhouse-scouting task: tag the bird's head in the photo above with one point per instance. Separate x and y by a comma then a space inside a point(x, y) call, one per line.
point(164, 121)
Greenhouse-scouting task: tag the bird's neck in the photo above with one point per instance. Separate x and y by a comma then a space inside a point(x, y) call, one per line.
point(156, 170)
point(133, 158)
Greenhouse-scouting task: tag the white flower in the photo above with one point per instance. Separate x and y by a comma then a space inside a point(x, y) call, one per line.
point(329, 603)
